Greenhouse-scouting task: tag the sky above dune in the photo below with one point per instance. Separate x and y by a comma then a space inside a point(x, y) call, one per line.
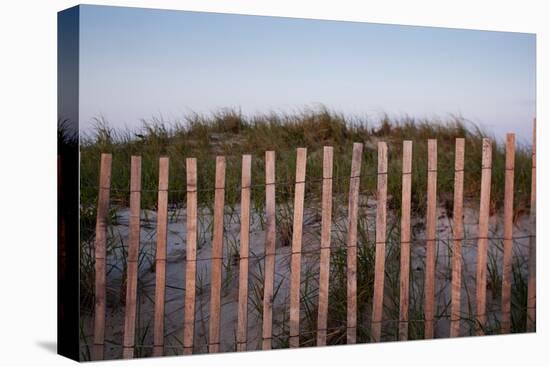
point(143, 63)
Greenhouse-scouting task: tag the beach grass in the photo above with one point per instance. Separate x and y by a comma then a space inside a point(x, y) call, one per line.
point(232, 134)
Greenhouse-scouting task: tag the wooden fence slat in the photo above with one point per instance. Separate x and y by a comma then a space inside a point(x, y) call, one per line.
point(458, 233)
point(133, 253)
point(532, 280)
point(482, 243)
point(508, 232)
point(379, 263)
point(242, 316)
point(160, 264)
point(191, 255)
point(217, 256)
point(353, 207)
point(269, 269)
point(295, 261)
point(100, 255)
point(324, 262)
point(405, 258)
point(431, 225)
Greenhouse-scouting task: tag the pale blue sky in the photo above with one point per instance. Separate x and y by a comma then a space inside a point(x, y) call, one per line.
point(139, 63)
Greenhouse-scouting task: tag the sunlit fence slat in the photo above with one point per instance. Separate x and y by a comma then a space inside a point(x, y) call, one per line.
point(100, 256)
point(431, 226)
point(324, 262)
point(160, 262)
point(296, 257)
point(269, 268)
point(405, 242)
point(242, 316)
point(132, 260)
point(191, 256)
point(353, 208)
point(379, 264)
point(482, 243)
point(217, 257)
point(505, 321)
point(458, 233)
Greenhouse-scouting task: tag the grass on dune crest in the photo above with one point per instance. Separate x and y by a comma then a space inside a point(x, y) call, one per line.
point(229, 133)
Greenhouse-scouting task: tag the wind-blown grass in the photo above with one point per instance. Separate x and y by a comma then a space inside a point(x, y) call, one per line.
point(229, 133)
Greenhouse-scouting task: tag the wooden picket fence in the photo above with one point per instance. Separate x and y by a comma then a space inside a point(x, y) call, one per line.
point(129, 343)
